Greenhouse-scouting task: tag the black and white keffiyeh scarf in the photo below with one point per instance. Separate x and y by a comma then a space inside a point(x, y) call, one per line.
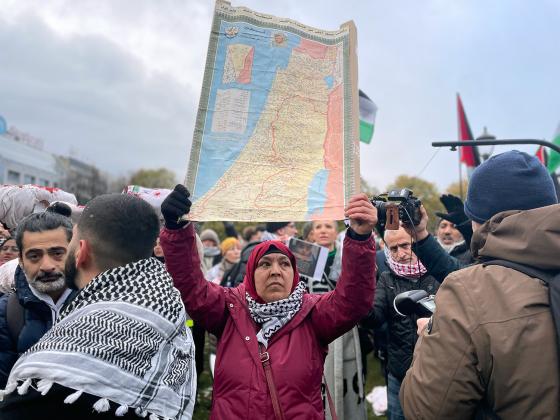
point(274, 315)
point(123, 339)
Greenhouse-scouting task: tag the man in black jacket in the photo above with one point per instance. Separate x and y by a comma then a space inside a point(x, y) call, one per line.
point(405, 273)
point(28, 313)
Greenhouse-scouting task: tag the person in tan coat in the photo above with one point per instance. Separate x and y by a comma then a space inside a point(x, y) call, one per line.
point(490, 350)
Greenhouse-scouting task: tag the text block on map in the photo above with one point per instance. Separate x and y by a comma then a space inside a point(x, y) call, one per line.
point(277, 129)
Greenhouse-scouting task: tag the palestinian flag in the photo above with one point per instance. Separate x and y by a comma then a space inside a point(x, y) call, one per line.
point(542, 155)
point(469, 154)
point(368, 110)
point(554, 158)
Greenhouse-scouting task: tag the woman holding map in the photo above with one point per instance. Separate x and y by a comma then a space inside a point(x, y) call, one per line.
point(272, 336)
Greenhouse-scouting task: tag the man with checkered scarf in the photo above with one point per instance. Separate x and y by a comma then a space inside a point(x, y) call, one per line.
point(406, 272)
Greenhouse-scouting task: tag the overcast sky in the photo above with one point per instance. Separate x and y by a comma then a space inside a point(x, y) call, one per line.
point(117, 83)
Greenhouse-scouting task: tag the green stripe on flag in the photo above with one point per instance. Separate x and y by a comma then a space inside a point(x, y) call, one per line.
point(366, 132)
point(368, 111)
point(554, 157)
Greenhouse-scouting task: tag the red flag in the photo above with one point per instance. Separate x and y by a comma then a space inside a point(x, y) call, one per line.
point(469, 154)
point(542, 155)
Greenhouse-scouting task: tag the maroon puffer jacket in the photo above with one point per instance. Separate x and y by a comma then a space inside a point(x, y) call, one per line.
point(297, 352)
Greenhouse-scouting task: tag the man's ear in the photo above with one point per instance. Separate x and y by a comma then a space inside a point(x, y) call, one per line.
point(84, 255)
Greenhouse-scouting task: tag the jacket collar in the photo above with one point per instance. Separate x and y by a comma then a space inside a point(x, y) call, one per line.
point(24, 293)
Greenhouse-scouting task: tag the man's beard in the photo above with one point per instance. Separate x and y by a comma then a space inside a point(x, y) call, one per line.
point(70, 272)
point(48, 283)
point(449, 248)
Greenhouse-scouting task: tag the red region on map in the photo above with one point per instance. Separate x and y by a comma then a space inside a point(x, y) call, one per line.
point(312, 48)
point(245, 73)
point(334, 156)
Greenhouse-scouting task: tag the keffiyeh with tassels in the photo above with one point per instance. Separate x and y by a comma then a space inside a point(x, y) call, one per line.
point(274, 315)
point(123, 339)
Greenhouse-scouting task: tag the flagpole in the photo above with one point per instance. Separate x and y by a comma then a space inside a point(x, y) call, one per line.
point(460, 175)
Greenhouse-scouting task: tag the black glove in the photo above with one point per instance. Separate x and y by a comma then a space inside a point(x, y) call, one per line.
point(176, 205)
point(456, 215)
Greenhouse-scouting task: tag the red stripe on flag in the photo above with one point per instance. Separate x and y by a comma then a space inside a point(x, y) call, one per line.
point(469, 155)
point(541, 155)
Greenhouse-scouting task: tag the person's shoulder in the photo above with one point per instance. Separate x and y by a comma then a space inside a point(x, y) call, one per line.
point(386, 279)
point(4, 306)
point(465, 275)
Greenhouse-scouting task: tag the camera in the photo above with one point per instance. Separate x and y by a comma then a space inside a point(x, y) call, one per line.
point(397, 205)
point(415, 302)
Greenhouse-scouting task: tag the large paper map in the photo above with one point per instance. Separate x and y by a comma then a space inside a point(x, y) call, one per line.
point(276, 136)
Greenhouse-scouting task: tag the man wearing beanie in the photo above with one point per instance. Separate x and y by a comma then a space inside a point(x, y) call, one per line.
point(490, 350)
point(279, 231)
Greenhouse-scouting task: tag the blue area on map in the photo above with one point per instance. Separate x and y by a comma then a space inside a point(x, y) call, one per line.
point(317, 192)
point(329, 80)
point(224, 148)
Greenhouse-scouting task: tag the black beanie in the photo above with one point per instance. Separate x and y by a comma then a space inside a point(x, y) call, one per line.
point(512, 180)
point(274, 226)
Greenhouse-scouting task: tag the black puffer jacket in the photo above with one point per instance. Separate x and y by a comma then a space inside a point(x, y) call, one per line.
point(401, 330)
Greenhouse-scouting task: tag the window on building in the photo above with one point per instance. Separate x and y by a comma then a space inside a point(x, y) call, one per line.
point(13, 177)
point(29, 179)
point(44, 182)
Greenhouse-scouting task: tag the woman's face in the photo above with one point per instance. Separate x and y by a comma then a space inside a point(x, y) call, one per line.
point(233, 255)
point(324, 233)
point(158, 250)
point(274, 277)
point(8, 251)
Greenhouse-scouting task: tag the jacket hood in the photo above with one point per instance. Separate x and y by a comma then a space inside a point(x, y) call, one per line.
point(530, 237)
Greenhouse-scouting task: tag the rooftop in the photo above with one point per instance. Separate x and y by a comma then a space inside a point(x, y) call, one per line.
point(26, 155)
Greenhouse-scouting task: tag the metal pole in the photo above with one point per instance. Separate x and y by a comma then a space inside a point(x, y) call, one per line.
point(460, 176)
point(462, 143)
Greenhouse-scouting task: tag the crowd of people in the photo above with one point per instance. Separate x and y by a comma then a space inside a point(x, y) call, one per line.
point(106, 314)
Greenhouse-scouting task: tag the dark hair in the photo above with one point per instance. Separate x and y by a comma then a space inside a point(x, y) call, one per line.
point(121, 229)
point(40, 222)
point(248, 232)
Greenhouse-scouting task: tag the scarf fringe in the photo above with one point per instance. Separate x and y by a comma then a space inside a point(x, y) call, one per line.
point(102, 405)
point(121, 411)
point(24, 387)
point(10, 388)
point(140, 412)
point(70, 399)
point(44, 386)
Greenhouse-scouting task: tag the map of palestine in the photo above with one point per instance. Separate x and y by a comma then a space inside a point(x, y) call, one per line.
point(276, 136)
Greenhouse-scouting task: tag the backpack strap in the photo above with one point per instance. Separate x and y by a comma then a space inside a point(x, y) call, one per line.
point(330, 400)
point(552, 280)
point(15, 317)
point(545, 276)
